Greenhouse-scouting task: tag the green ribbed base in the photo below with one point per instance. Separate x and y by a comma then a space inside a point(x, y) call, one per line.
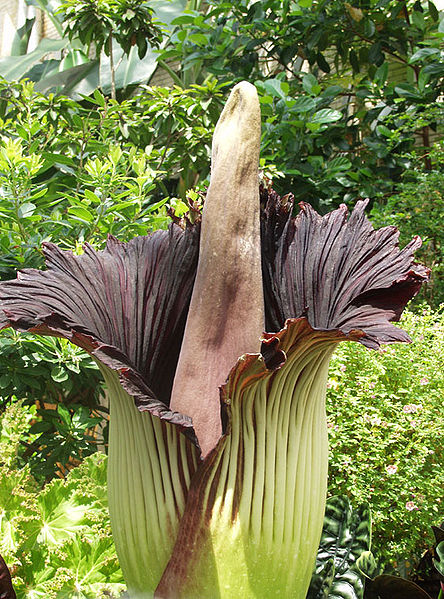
point(253, 521)
point(149, 469)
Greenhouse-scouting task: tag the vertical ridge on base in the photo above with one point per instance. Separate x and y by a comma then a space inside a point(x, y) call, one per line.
point(149, 470)
point(253, 519)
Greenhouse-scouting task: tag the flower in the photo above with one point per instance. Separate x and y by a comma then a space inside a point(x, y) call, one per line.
point(218, 446)
point(391, 469)
point(410, 506)
point(373, 420)
point(411, 408)
point(424, 381)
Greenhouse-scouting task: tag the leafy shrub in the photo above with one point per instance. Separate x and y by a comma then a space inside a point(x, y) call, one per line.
point(77, 171)
point(57, 541)
point(417, 208)
point(65, 386)
point(46, 369)
point(371, 93)
point(386, 425)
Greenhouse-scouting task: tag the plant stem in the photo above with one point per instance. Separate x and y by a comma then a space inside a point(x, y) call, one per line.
point(111, 63)
point(177, 80)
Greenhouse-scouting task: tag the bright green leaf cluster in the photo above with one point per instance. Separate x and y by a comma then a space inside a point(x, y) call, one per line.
point(68, 423)
point(57, 541)
point(385, 431)
point(75, 172)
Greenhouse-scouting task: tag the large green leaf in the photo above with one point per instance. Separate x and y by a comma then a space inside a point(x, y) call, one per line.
point(21, 38)
point(130, 69)
point(384, 586)
point(95, 563)
point(439, 562)
point(345, 537)
point(168, 11)
point(15, 67)
point(394, 587)
point(78, 80)
point(49, 7)
point(44, 69)
point(81, 79)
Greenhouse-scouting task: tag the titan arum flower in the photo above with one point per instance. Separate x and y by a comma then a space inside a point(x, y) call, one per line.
point(218, 438)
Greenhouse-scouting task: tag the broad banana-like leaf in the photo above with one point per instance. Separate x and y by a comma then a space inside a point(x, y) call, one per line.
point(13, 68)
point(21, 38)
point(166, 12)
point(49, 8)
point(81, 79)
point(130, 70)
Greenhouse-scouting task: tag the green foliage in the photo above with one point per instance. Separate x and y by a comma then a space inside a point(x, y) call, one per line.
point(346, 535)
point(64, 436)
point(57, 541)
point(96, 22)
point(386, 586)
point(65, 384)
point(24, 372)
point(385, 423)
point(439, 561)
point(67, 174)
point(132, 30)
point(417, 208)
point(53, 439)
point(14, 427)
point(338, 131)
point(74, 172)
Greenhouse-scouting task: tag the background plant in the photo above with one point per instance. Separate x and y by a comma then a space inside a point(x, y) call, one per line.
point(56, 540)
point(85, 32)
point(385, 426)
point(96, 23)
point(417, 207)
point(78, 171)
point(64, 386)
point(346, 89)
